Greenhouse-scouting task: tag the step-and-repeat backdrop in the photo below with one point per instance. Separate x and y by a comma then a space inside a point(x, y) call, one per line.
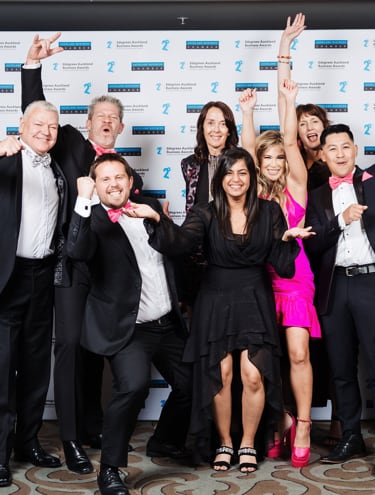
point(164, 78)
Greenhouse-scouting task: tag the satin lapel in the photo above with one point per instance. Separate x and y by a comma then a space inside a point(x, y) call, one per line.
point(358, 186)
point(19, 173)
point(327, 203)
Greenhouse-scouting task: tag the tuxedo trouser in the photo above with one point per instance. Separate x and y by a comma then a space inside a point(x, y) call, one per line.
point(77, 373)
point(26, 309)
point(349, 327)
point(131, 371)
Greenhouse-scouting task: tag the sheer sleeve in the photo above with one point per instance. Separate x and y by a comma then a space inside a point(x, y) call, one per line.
point(174, 240)
point(282, 253)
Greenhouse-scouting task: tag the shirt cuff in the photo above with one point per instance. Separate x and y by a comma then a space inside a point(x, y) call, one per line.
point(32, 66)
point(341, 221)
point(83, 207)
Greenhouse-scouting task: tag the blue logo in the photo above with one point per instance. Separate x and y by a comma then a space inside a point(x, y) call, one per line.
point(73, 109)
point(158, 86)
point(342, 86)
point(6, 88)
point(331, 44)
point(251, 85)
point(124, 88)
point(366, 107)
point(75, 45)
point(166, 172)
point(110, 66)
point(183, 193)
point(214, 86)
point(148, 129)
point(238, 65)
point(369, 150)
point(164, 45)
point(367, 129)
point(263, 128)
point(147, 66)
point(159, 150)
point(87, 88)
point(367, 64)
point(155, 193)
point(194, 108)
point(109, 44)
point(55, 65)
point(293, 45)
point(267, 65)
point(334, 107)
point(365, 43)
point(310, 64)
point(182, 129)
point(182, 65)
point(202, 45)
point(237, 44)
point(165, 107)
point(12, 67)
point(369, 86)
point(239, 129)
point(129, 151)
point(12, 131)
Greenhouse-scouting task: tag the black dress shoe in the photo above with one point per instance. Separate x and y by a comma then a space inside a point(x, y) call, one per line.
point(95, 442)
point(76, 458)
point(5, 475)
point(157, 448)
point(34, 453)
point(349, 447)
point(109, 482)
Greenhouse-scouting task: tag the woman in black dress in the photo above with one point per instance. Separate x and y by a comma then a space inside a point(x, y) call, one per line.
point(234, 310)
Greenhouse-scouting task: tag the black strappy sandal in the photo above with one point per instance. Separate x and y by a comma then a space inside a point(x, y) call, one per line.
point(224, 449)
point(247, 465)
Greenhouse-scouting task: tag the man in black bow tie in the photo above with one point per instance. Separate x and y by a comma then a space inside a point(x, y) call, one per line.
point(32, 208)
point(132, 316)
point(342, 213)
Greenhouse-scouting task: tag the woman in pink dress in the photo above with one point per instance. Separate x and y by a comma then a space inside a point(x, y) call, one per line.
point(283, 178)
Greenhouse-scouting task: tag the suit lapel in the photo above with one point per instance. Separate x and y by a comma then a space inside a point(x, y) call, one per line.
point(358, 186)
point(327, 201)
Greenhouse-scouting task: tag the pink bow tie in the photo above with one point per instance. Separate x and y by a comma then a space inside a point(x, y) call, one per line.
point(334, 182)
point(115, 213)
point(99, 150)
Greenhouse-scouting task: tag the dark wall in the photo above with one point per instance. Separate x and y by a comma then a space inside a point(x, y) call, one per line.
point(50, 15)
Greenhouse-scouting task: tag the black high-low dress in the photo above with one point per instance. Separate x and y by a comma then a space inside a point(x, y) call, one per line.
point(235, 308)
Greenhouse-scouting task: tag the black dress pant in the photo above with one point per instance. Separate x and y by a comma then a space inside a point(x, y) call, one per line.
point(347, 326)
point(131, 371)
point(26, 308)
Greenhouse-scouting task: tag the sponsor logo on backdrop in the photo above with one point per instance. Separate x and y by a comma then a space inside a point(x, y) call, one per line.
point(124, 88)
point(206, 65)
point(214, 86)
point(147, 66)
point(142, 171)
point(87, 88)
point(334, 107)
point(148, 129)
point(342, 86)
point(267, 65)
point(55, 88)
point(12, 67)
point(369, 150)
point(164, 45)
point(260, 43)
point(332, 64)
point(183, 87)
point(202, 45)
point(155, 193)
point(330, 44)
point(136, 151)
point(165, 108)
point(77, 66)
point(179, 150)
point(131, 44)
point(73, 109)
point(10, 109)
point(9, 45)
point(251, 85)
point(111, 66)
point(166, 172)
point(367, 65)
point(75, 45)
point(311, 85)
point(263, 128)
point(367, 128)
point(6, 88)
point(194, 108)
point(238, 65)
point(369, 86)
point(12, 131)
point(139, 108)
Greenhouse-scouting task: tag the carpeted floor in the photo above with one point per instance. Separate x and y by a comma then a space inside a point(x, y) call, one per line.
point(157, 476)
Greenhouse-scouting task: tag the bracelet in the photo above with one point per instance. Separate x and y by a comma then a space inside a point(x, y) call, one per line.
point(283, 62)
point(288, 57)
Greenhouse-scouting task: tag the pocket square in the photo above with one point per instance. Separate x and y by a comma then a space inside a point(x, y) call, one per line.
point(366, 176)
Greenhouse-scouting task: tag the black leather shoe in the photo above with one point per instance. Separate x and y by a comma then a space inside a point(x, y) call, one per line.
point(109, 482)
point(156, 448)
point(349, 447)
point(34, 453)
point(5, 475)
point(76, 458)
point(95, 442)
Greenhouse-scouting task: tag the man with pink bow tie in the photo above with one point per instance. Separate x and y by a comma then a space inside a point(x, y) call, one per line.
point(342, 213)
point(132, 316)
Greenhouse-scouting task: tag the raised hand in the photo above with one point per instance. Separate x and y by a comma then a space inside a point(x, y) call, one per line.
point(295, 28)
point(248, 100)
point(85, 187)
point(10, 146)
point(41, 48)
point(298, 233)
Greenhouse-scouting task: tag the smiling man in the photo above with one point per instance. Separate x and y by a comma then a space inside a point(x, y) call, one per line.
point(342, 213)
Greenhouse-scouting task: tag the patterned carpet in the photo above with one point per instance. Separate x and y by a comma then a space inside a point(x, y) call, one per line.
point(146, 476)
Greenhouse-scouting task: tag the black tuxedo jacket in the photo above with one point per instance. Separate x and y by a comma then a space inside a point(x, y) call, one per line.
point(11, 206)
point(113, 301)
point(320, 215)
point(72, 151)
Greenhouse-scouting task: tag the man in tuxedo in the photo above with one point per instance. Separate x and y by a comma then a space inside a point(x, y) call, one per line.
point(132, 314)
point(32, 211)
point(342, 213)
point(77, 372)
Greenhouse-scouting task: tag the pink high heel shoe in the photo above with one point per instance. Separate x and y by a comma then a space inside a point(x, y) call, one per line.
point(300, 455)
point(281, 447)
point(276, 450)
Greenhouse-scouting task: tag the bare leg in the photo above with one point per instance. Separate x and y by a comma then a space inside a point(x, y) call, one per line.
point(222, 410)
point(301, 379)
point(253, 398)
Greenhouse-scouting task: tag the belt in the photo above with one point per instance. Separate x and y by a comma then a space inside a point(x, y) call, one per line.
point(163, 321)
point(352, 271)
